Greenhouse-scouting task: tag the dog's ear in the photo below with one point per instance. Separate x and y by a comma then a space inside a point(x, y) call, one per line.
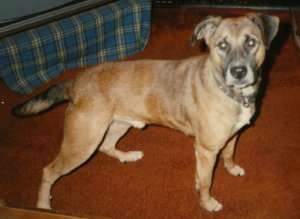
point(205, 29)
point(267, 24)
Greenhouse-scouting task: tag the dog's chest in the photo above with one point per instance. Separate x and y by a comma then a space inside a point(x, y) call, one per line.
point(244, 117)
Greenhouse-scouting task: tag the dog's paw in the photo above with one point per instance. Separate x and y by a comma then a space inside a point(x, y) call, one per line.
point(43, 205)
point(212, 205)
point(131, 156)
point(236, 170)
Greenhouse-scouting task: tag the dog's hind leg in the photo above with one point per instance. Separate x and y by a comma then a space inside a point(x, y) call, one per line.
point(85, 126)
point(227, 155)
point(116, 130)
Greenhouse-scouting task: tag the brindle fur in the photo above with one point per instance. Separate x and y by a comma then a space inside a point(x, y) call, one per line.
point(108, 99)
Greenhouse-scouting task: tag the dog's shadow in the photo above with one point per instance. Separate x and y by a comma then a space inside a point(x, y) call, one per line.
point(284, 32)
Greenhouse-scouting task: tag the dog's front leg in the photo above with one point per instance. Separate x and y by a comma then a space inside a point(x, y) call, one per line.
point(227, 155)
point(205, 162)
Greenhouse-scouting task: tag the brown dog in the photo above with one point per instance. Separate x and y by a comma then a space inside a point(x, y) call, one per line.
point(210, 97)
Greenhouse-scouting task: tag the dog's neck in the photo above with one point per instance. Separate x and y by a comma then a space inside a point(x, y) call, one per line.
point(244, 100)
point(245, 96)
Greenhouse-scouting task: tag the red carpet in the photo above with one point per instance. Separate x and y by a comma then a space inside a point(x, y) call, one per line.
point(161, 185)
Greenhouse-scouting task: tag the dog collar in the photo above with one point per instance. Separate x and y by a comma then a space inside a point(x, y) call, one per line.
point(245, 101)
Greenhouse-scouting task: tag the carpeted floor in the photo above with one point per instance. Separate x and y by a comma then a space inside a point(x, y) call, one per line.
point(161, 185)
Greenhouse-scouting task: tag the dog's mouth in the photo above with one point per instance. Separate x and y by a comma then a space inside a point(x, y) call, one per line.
point(240, 84)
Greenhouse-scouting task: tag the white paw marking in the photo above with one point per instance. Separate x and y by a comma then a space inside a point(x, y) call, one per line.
point(43, 205)
point(236, 170)
point(131, 156)
point(212, 205)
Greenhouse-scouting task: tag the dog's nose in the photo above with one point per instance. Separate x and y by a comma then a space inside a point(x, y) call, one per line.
point(238, 72)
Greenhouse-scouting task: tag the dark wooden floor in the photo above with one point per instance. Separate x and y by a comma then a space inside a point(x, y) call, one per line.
point(161, 185)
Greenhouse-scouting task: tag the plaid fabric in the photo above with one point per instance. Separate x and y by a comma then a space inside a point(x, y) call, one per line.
point(107, 33)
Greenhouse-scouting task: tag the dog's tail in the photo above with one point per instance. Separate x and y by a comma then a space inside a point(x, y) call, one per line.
point(52, 96)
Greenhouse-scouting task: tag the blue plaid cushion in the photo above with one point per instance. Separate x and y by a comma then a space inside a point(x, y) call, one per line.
point(111, 32)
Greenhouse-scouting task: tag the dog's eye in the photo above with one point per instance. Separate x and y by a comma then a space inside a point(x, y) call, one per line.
point(224, 46)
point(250, 43)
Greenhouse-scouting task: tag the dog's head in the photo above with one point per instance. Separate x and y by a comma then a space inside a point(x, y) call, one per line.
point(237, 45)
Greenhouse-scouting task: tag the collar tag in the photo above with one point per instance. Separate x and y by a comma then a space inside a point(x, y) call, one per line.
point(246, 101)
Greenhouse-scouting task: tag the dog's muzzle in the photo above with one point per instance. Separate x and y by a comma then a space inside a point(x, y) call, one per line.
point(239, 76)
